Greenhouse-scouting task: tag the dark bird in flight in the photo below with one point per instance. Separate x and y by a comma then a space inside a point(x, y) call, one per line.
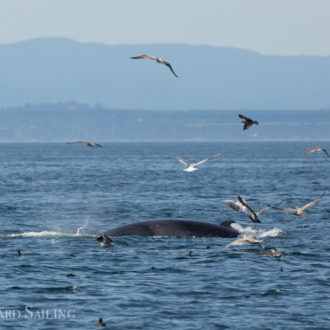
point(254, 215)
point(88, 144)
point(155, 58)
point(248, 122)
point(318, 149)
point(299, 211)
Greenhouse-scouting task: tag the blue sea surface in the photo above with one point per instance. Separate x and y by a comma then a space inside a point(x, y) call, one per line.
point(56, 198)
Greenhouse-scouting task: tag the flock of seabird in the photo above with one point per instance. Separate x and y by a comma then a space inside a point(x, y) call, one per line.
point(240, 205)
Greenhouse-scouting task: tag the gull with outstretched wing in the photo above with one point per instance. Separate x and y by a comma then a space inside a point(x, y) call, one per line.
point(235, 205)
point(245, 239)
point(155, 58)
point(299, 211)
point(318, 149)
point(193, 166)
point(255, 214)
point(88, 144)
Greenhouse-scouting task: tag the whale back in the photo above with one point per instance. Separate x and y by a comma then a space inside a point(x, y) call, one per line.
point(174, 228)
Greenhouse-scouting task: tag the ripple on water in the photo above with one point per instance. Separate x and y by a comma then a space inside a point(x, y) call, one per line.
point(53, 206)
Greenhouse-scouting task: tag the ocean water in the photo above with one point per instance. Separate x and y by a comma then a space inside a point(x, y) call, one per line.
point(56, 198)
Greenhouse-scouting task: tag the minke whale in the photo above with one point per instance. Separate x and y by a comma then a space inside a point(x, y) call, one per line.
point(175, 228)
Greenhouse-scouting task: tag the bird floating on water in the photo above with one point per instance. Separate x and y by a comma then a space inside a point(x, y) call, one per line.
point(101, 323)
point(193, 166)
point(318, 149)
point(88, 144)
point(105, 240)
point(248, 122)
point(299, 211)
point(155, 58)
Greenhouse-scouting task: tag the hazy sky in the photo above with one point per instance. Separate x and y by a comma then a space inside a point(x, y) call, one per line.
point(286, 27)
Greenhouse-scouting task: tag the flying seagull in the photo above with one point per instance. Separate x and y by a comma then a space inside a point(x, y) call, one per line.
point(235, 205)
point(254, 215)
point(88, 144)
point(272, 253)
point(245, 239)
point(248, 122)
point(318, 149)
point(299, 211)
point(193, 166)
point(155, 58)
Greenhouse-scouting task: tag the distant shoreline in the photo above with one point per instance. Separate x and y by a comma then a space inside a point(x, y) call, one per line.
point(64, 122)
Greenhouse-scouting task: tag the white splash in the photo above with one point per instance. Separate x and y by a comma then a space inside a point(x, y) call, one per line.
point(259, 233)
point(45, 233)
point(275, 232)
point(243, 230)
point(52, 234)
point(81, 230)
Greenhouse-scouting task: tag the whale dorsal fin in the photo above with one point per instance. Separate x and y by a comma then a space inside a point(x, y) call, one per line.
point(227, 223)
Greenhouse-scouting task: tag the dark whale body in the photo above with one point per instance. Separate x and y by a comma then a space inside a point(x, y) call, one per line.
point(175, 228)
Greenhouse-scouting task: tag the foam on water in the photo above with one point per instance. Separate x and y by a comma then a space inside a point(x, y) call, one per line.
point(53, 234)
point(275, 232)
point(250, 231)
point(48, 234)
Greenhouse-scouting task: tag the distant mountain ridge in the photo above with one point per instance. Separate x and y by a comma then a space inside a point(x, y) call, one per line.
point(220, 78)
